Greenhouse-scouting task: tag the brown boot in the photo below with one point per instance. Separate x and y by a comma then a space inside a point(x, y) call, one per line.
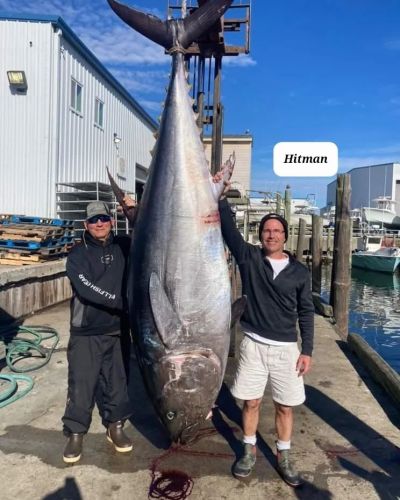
point(73, 449)
point(117, 436)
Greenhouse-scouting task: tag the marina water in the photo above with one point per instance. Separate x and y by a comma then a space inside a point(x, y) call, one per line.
point(374, 310)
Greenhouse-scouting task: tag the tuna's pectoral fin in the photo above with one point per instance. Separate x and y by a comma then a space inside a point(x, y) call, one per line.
point(222, 178)
point(237, 309)
point(167, 321)
point(130, 212)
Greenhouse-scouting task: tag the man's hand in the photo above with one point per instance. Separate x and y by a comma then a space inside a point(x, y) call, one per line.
point(219, 177)
point(303, 364)
point(129, 202)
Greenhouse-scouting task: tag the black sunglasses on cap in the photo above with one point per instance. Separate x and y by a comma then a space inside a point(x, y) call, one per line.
point(101, 218)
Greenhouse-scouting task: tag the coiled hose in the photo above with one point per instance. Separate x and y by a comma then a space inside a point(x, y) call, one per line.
point(22, 343)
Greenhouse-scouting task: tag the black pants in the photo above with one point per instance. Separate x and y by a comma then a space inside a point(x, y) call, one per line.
point(95, 365)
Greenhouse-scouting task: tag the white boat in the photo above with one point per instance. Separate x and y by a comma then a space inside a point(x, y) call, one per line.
point(384, 260)
point(383, 214)
point(305, 208)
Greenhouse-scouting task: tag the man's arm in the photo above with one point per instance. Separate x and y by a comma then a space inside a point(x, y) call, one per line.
point(104, 292)
point(230, 232)
point(131, 209)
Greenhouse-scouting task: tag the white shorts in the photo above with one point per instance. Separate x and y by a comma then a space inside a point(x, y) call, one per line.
point(259, 362)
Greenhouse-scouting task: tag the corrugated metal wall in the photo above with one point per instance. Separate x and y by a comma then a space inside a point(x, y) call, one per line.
point(85, 149)
point(24, 118)
point(42, 140)
point(367, 183)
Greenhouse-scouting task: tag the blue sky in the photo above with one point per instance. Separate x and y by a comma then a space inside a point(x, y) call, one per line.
point(318, 70)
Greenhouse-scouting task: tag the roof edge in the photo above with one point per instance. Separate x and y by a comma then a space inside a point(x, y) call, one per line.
point(77, 43)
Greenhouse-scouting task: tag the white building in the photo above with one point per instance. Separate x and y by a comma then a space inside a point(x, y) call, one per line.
point(65, 123)
point(369, 184)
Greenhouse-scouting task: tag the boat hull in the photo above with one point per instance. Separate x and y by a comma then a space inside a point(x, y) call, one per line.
point(379, 263)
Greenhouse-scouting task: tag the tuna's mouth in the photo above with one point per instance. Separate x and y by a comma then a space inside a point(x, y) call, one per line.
point(189, 351)
point(192, 378)
point(189, 433)
point(179, 356)
point(185, 373)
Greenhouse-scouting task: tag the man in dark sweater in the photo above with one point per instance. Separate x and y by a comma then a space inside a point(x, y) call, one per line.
point(278, 295)
point(96, 268)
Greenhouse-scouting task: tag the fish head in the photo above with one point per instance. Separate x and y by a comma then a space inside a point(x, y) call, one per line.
point(192, 381)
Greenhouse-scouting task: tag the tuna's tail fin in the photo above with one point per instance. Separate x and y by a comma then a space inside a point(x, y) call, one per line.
point(174, 32)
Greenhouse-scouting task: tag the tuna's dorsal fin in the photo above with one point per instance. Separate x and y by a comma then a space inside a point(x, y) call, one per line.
point(130, 212)
point(173, 32)
point(167, 321)
point(237, 309)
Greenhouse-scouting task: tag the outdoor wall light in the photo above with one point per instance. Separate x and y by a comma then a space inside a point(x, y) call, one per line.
point(116, 138)
point(17, 80)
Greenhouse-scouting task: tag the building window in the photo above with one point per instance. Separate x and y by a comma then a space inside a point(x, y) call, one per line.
point(76, 96)
point(98, 112)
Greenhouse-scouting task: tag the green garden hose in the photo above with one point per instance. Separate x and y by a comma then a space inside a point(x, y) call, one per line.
point(14, 392)
point(26, 342)
point(22, 343)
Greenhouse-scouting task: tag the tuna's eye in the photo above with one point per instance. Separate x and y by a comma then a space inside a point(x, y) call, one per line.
point(170, 415)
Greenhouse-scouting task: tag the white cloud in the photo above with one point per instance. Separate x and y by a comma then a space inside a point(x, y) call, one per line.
point(392, 44)
point(124, 46)
point(154, 106)
point(144, 82)
point(365, 157)
point(348, 163)
point(331, 101)
point(242, 60)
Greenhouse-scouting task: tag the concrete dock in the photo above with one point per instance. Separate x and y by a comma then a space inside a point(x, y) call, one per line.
point(346, 440)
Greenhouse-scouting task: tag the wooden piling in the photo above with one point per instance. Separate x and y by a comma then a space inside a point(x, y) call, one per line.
point(278, 203)
point(340, 284)
point(316, 252)
point(288, 204)
point(301, 240)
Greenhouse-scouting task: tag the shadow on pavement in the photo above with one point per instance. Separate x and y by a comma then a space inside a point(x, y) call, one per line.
point(368, 449)
point(68, 492)
point(227, 405)
point(144, 417)
point(376, 390)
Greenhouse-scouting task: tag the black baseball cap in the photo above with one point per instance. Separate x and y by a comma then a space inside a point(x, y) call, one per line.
point(276, 217)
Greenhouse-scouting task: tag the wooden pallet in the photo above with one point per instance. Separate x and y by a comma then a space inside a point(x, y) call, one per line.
point(14, 257)
point(30, 232)
point(19, 260)
point(7, 219)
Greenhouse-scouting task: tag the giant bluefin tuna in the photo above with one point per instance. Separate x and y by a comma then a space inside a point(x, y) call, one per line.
point(179, 290)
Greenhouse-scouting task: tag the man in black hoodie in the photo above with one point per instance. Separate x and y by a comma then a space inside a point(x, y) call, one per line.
point(97, 268)
point(278, 295)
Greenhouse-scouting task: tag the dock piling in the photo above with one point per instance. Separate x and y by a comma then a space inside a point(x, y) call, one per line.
point(340, 284)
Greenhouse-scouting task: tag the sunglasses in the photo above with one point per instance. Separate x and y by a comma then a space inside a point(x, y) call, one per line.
point(96, 218)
